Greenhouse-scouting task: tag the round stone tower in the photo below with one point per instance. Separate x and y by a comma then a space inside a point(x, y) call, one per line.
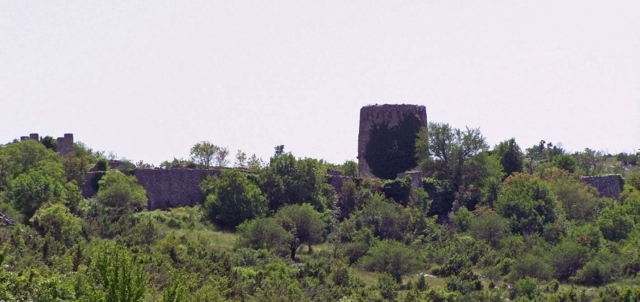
point(390, 117)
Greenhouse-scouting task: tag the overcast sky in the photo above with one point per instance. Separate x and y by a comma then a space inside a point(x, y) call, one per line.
point(148, 79)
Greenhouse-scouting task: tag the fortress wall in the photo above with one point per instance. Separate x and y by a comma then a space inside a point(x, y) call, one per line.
point(165, 188)
point(379, 114)
point(608, 185)
point(173, 188)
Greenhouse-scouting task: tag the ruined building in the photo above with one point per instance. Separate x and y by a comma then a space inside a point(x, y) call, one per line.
point(64, 144)
point(386, 140)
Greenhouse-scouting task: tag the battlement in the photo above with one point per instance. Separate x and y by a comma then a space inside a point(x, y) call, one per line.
point(64, 144)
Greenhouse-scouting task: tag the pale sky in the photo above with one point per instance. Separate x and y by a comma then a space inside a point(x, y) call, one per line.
point(148, 79)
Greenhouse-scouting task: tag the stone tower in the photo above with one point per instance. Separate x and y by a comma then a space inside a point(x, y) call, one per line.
point(390, 116)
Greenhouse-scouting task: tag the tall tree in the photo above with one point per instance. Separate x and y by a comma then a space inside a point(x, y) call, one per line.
point(510, 156)
point(448, 152)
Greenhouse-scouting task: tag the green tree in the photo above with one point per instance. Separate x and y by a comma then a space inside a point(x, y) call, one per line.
point(30, 190)
point(579, 201)
point(234, 199)
point(241, 159)
point(567, 258)
point(510, 156)
point(565, 162)
point(527, 203)
point(615, 223)
point(288, 180)
point(386, 219)
point(391, 257)
point(489, 227)
point(350, 168)
point(121, 192)
point(58, 221)
point(590, 161)
point(221, 156)
point(448, 152)
point(304, 223)
point(203, 153)
point(30, 155)
point(264, 233)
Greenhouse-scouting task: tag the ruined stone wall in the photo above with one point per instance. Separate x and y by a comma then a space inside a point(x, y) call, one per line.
point(165, 188)
point(608, 185)
point(416, 178)
point(64, 144)
point(374, 115)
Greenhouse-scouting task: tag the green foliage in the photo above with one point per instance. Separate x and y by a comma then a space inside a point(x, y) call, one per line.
point(290, 181)
point(264, 233)
point(387, 220)
point(30, 155)
point(489, 227)
point(398, 189)
point(565, 162)
point(391, 150)
point(30, 190)
point(615, 223)
point(464, 282)
point(579, 201)
point(57, 221)
point(453, 266)
point(567, 258)
point(527, 203)
point(121, 192)
point(590, 161)
point(510, 156)
point(526, 287)
point(350, 168)
point(391, 257)
point(304, 223)
point(203, 153)
point(529, 265)
point(234, 199)
point(450, 153)
point(119, 275)
point(388, 287)
point(462, 219)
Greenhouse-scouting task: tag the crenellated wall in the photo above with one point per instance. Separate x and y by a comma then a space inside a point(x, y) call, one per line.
point(64, 144)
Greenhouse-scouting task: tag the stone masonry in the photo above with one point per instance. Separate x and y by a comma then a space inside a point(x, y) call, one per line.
point(374, 115)
point(64, 144)
point(608, 185)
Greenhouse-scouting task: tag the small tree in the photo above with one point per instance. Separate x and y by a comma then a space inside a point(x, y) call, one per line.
point(264, 233)
point(305, 224)
point(203, 153)
point(221, 156)
point(122, 192)
point(391, 257)
point(241, 159)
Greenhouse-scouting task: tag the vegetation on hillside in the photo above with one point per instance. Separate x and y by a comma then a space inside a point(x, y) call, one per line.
point(487, 224)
